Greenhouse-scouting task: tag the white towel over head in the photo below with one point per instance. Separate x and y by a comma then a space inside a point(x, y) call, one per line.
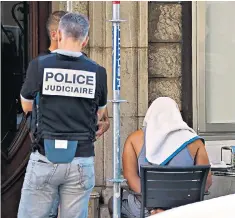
point(166, 132)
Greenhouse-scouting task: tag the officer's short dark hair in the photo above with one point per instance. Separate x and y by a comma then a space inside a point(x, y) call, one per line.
point(53, 20)
point(74, 25)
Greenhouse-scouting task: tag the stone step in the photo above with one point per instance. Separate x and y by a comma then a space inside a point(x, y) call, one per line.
point(97, 210)
point(104, 211)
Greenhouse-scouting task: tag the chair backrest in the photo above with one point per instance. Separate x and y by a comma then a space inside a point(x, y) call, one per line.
point(167, 187)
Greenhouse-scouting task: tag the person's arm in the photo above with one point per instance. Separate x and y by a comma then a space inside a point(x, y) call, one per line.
point(103, 124)
point(130, 166)
point(101, 112)
point(30, 87)
point(103, 119)
point(202, 159)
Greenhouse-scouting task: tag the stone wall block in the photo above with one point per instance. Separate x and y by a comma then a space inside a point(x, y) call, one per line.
point(107, 194)
point(104, 211)
point(164, 22)
point(165, 88)
point(127, 126)
point(140, 122)
point(164, 60)
point(97, 28)
point(142, 81)
point(55, 6)
point(62, 5)
point(129, 81)
point(108, 25)
point(97, 54)
point(81, 7)
point(86, 50)
point(129, 28)
point(99, 162)
point(107, 63)
point(143, 24)
point(129, 69)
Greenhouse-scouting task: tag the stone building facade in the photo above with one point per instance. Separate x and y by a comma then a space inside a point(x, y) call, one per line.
point(164, 50)
point(150, 66)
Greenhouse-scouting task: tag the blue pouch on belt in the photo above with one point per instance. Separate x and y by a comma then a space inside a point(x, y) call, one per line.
point(60, 151)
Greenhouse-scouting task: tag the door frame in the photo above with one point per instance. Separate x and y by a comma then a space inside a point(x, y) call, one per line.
point(38, 37)
point(187, 93)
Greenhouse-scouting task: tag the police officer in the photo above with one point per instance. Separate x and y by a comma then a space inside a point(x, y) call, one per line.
point(52, 26)
point(103, 125)
point(68, 91)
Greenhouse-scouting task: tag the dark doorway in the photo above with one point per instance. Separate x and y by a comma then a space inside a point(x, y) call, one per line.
point(23, 37)
point(14, 54)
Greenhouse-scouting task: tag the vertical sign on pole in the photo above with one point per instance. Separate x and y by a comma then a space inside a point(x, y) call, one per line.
point(117, 180)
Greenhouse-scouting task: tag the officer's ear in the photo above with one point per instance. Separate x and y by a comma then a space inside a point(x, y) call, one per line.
point(85, 42)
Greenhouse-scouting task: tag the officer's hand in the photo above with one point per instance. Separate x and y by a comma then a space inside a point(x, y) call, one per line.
point(103, 126)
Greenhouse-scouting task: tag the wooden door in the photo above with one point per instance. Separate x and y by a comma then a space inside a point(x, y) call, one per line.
point(15, 155)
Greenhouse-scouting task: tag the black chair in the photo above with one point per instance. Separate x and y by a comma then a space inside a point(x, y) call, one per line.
point(167, 187)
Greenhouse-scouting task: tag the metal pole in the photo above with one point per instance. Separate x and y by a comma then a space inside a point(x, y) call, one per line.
point(69, 5)
point(117, 180)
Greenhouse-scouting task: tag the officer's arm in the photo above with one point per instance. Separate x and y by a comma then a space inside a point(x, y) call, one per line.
point(106, 116)
point(30, 87)
point(104, 93)
point(101, 112)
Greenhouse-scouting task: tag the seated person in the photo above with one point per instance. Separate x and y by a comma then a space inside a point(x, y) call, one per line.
point(165, 139)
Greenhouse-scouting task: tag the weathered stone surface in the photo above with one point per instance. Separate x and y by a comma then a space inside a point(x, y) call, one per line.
point(165, 88)
point(55, 6)
point(93, 206)
point(164, 22)
point(97, 24)
point(129, 73)
point(143, 24)
point(104, 212)
point(129, 28)
point(97, 54)
point(164, 60)
point(140, 122)
point(86, 50)
point(142, 78)
point(98, 189)
point(128, 125)
point(81, 7)
point(108, 25)
point(99, 162)
point(63, 6)
point(129, 69)
point(107, 194)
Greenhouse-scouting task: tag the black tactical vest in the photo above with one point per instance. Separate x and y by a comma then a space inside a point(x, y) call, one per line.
point(67, 103)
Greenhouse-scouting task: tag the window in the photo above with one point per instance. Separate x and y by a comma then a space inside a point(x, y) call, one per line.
point(214, 72)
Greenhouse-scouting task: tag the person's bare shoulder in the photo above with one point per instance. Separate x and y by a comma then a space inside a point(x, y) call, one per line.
point(195, 147)
point(135, 139)
point(135, 136)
